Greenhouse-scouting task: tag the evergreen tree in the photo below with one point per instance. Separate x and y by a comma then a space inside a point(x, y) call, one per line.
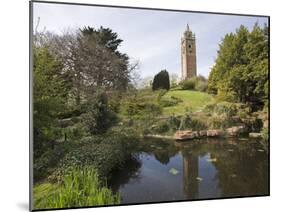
point(161, 81)
point(240, 73)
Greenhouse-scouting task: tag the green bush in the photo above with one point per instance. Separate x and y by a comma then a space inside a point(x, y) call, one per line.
point(187, 122)
point(198, 83)
point(142, 109)
point(188, 84)
point(169, 102)
point(160, 127)
point(174, 122)
point(220, 121)
point(79, 187)
point(104, 153)
point(201, 86)
point(99, 116)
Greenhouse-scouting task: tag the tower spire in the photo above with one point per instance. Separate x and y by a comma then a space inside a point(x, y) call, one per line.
point(187, 27)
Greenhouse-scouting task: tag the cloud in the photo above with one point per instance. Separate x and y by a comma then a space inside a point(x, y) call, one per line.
point(152, 37)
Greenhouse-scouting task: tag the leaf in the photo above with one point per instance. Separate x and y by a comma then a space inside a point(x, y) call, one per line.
point(173, 171)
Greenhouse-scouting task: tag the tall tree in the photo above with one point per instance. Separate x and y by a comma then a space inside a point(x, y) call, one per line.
point(49, 97)
point(241, 70)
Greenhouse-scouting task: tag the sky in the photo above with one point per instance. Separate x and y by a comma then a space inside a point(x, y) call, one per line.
point(151, 37)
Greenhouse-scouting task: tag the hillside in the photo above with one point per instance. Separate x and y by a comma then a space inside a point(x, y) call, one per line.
point(191, 101)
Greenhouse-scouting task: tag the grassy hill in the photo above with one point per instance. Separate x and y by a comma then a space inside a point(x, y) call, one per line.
point(191, 101)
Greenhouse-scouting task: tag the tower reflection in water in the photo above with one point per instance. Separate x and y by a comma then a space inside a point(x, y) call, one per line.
point(190, 174)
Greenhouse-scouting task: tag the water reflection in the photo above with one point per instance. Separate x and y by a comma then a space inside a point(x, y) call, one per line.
point(204, 169)
point(190, 175)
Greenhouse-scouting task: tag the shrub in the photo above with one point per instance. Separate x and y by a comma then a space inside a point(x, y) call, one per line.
point(169, 102)
point(201, 86)
point(174, 122)
point(187, 122)
point(79, 187)
point(220, 121)
point(142, 109)
point(188, 84)
point(160, 127)
point(198, 83)
point(99, 117)
point(104, 153)
point(161, 81)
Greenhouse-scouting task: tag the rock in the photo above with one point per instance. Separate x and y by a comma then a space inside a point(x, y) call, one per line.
point(235, 131)
point(196, 134)
point(255, 135)
point(214, 133)
point(184, 135)
point(203, 133)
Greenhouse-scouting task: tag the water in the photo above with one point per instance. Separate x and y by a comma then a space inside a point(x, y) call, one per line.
point(167, 170)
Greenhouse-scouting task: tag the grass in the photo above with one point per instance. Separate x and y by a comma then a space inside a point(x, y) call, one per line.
point(191, 101)
point(80, 187)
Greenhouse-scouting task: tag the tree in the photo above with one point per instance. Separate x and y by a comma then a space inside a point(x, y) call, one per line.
point(240, 73)
point(161, 81)
point(49, 97)
point(91, 60)
point(103, 65)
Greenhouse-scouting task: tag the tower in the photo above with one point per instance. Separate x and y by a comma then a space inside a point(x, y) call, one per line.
point(188, 54)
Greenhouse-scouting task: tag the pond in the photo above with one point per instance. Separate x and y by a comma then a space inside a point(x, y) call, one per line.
point(209, 168)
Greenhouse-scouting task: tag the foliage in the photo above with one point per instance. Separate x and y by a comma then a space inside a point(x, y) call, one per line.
point(79, 187)
point(187, 122)
point(240, 73)
point(104, 152)
point(265, 134)
point(188, 84)
point(201, 84)
point(169, 101)
point(98, 117)
point(198, 83)
point(49, 96)
point(143, 104)
point(161, 81)
point(160, 127)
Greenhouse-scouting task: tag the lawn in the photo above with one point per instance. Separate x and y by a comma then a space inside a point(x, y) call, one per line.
point(191, 101)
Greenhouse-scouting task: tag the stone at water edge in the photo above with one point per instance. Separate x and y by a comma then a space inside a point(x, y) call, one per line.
point(184, 135)
point(203, 133)
point(214, 133)
point(235, 130)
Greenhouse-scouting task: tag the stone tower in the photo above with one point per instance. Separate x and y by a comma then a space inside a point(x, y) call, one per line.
point(188, 54)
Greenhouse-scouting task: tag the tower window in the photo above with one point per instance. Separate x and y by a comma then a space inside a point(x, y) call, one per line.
point(189, 46)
